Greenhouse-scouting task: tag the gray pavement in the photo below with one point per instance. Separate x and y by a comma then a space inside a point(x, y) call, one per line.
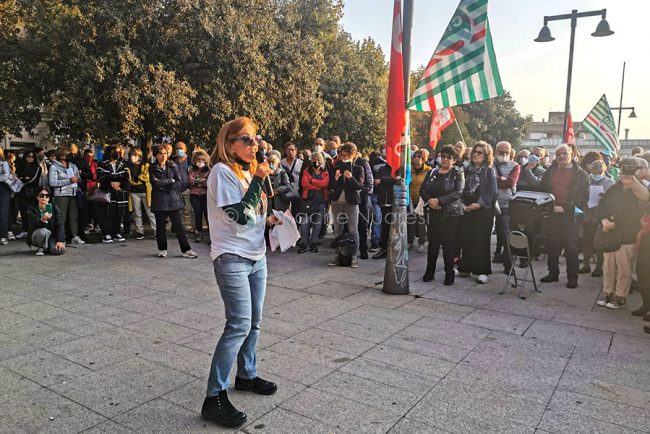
point(112, 339)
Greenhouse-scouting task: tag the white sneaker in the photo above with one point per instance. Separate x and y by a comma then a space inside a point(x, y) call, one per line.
point(107, 239)
point(483, 279)
point(3, 242)
point(11, 236)
point(21, 236)
point(329, 230)
point(77, 240)
point(162, 253)
point(420, 248)
point(190, 255)
point(40, 252)
point(119, 238)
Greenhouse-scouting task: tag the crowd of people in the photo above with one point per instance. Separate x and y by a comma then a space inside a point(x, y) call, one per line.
point(459, 197)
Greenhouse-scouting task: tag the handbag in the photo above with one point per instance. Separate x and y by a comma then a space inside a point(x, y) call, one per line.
point(14, 183)
point(97, 195)
point(607, 242)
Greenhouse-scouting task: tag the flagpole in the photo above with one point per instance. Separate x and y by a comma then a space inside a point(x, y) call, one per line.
point(459, 131)
point(396, 272)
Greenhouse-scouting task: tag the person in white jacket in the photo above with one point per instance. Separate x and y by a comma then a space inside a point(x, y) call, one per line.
point(63, 177)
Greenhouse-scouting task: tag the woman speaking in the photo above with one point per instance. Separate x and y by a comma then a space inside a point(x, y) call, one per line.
point(237, 219)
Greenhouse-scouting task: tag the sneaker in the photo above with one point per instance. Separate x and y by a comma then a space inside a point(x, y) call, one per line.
point(420, 248)
point(220, 410)
point(119, 238)
point(11, 236)
point(329, 230)
point(162, 253)
point(616, 302)
point(313, 248)
point(190, 255)
point(428, 276)
point(373, 248)
point(198, 238)
point(107, 239)
point(77, 240)
point(97, 229)
point(585, 269)
point(257, 385)
point(302, 249)
point(40, 252)
point(572, 282)
point(449, 279)
point(333, 263)
point(604, 299)
point(364, 254)
point(139, 236)
point(483, 278)
point(550, 278)
point(380, 254)
point(597, 273)
point(354, 264)
point(21, 236)
point(3, 242)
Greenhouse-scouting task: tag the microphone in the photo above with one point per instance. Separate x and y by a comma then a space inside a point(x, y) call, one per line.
point(267, 186)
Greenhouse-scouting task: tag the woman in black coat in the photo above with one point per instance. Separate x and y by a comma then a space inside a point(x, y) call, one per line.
point(441, 192)
point(167, 202)
point(45, 227)
point(113, 178)
point(29, 172)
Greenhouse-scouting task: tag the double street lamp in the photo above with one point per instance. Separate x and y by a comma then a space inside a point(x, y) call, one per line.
point(545, 36)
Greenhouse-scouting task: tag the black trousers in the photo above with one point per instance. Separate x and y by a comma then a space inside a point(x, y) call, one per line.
point(110, 219)
point(563, 235)
point(362, 225)
point(24, 202)
point(441, 232)
point(200, 207)
point(177, 227)
point(475, 230)
point(385, 226)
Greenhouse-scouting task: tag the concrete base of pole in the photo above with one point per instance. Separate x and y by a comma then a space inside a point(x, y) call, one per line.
point(396, 274)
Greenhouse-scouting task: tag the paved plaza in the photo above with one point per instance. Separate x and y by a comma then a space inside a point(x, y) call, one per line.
point(111, 339)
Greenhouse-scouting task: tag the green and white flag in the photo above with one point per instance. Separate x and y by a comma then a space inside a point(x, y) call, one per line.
point(463, 68)
point(600, 124)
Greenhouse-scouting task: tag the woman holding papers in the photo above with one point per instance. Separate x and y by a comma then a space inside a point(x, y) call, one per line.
point(237, 219)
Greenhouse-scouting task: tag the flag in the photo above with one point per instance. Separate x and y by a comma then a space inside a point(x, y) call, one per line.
point(600, 124)
point(569, 138)
point(440, 120)
point(396, 104)
point(463, 68)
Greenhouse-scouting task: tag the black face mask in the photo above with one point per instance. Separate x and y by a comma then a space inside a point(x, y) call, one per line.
point(115, 155)
point(315, 164)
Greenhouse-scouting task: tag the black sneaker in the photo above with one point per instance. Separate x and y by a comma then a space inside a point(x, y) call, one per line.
point(380, 254)
point(257, 385)
point(550, 278)
point(572, 282)
point(313, 248)
point(428, 277)
point(119, 238)
point(219, 409)
point(302, 249)
point(449, 279)
point(139, 236)
point(597, 273)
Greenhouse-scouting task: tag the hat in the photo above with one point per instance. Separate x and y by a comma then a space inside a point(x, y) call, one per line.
point(630, 165)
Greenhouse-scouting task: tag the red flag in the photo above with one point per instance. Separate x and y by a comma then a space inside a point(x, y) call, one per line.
point(441, 119)
point(569, 139)
point(396, 104)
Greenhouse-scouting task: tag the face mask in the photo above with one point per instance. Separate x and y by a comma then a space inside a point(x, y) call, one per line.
point(180, 153)
point(346, 161)
point(315, 164)
point(523, 161)
point(200, 164)
point(645, 182)
point(332, 153)
point(115, 155)
point(503, 159)
point(597, 177)
point(318, 148)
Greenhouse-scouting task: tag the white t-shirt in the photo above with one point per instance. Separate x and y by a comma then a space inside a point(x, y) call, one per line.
point(227, 236)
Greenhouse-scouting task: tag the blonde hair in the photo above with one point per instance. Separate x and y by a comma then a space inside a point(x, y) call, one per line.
point(223, 154)
point(200, 153)
point(137, 152)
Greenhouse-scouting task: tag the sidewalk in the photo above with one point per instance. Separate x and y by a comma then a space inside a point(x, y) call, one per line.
point(111, 339)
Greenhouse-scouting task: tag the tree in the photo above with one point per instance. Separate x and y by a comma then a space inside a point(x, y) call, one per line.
point(495, 120)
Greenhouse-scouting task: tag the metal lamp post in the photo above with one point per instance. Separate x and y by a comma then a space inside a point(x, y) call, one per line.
point(396, 273)
point(621, 108)
point(545, 36)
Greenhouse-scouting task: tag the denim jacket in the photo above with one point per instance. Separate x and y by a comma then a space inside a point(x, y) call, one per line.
point(451, 203)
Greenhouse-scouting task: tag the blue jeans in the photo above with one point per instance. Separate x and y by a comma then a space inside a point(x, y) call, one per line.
point(242, 284)
point(375, 211)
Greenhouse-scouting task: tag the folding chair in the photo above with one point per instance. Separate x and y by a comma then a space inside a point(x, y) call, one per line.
point(519, 248)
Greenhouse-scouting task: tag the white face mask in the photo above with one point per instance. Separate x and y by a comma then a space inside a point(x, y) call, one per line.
point(200, 164)
point(503, 158)
point(346, 161)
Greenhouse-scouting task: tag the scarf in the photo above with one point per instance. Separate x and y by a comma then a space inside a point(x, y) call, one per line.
point(473, 176)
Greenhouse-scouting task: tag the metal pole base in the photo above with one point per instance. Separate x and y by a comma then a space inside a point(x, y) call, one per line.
point(396, 274)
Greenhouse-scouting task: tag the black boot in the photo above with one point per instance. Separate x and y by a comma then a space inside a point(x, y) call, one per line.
point(219, 409)
point(645, 307)
point(257, 385)
point(449, 279)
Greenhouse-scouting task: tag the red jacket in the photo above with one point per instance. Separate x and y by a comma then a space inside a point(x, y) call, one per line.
point(309, 183)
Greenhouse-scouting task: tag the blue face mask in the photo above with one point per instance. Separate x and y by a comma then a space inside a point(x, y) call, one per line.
point(597, 177)
point(332, 153)
point(180, 153)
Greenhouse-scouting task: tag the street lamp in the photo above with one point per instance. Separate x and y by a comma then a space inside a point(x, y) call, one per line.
point(621, 108)
point(545, 36)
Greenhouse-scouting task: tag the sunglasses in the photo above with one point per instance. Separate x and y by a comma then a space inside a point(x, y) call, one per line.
point(248, 140)
point(478, 153)
point(447, 157)
point(43, 196)
point(29, 156)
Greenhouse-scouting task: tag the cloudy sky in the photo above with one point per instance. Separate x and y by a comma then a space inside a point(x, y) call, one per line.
point(536, 73)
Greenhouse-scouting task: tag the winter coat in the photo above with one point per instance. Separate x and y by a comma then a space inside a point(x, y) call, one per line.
point(451, 203)
point(166, 187)
point(30, 175)
point(352, 186)
point(312, 183)
point(578, 196)
point(417, 178)
point(107, 174)
point(60, 180)
point(198, 180)
point(54, 224)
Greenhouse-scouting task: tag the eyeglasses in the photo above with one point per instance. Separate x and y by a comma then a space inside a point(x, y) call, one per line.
point(29, 156)
point(291, 149)
point(43, 196)
point(447, 157)
point(478, 153)
point(248, 140)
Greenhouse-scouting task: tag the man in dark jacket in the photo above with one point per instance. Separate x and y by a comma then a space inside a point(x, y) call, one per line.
point(570, 186)
point(384, 183)
point(364, 214)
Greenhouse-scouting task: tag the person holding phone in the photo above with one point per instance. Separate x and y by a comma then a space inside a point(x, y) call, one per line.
point(46, 231)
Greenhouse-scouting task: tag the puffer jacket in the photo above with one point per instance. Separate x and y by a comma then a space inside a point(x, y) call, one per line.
point(450, 202)
point(60, 180)
point(167, 185)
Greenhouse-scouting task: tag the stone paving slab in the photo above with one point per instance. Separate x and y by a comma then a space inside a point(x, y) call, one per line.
point(130, 351)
